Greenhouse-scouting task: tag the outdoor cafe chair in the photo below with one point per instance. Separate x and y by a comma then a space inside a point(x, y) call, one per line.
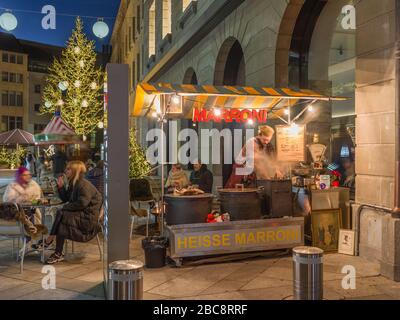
point(13, 229)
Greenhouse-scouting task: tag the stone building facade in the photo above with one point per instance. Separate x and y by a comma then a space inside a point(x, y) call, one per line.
point(338, 47)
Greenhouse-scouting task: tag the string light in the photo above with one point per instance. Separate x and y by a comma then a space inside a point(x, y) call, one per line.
point(84, 103)
point(77, 83)
point(217, 112)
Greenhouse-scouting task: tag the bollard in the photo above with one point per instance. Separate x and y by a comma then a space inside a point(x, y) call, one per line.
point(126, 280)
point(307, 273)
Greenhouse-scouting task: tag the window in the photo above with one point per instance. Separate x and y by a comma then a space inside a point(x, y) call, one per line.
point(12, 95)
point(38, 127)
point(152, 29)
point(37, 107)
point(10, 122)
point(4, 76)
point(138, 19)
point(5, 57)
point(13, 77)
point(13, 58)
point(4, 98)
point(20, 78)
point(20, 100)
point(166, 18)
point(38, 88)
point(134, 29)
point(126, 44)
point(20, 59)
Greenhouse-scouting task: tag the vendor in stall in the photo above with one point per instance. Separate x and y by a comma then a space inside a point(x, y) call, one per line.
point(262, 158)
point(177, 178)
point(202, 177)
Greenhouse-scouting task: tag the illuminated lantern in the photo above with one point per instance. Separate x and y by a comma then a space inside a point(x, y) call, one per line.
point(8, 21)
point(101, 29)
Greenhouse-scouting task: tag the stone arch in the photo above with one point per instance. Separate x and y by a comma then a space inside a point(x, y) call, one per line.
point(230, 64)
point(190, 77)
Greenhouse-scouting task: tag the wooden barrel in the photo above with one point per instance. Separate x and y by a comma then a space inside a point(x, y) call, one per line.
point(241, 204)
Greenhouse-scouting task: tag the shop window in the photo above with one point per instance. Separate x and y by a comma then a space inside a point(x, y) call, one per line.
point(166, 18)
point(152, 30)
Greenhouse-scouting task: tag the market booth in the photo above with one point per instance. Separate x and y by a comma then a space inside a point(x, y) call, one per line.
point(260, 217)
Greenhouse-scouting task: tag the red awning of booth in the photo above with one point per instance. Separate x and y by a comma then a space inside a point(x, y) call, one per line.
point(147, 97)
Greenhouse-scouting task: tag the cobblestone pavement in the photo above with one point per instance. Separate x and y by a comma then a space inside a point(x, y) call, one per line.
point(266, 278)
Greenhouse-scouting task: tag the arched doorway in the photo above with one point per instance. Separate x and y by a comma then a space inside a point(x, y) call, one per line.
point(230, 71)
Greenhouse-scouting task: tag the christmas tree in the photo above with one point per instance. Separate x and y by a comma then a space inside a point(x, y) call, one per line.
point(76, 73)
point(139, 167)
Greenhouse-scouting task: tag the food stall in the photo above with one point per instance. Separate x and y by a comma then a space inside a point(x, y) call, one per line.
point(256, 219)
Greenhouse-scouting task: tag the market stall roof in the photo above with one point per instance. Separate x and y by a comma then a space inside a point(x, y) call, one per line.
point(16, 136)
point(56, 132)
point(209, 96)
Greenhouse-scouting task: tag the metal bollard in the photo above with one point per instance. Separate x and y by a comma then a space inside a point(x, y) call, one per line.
point(307, 273)
point(126, 280)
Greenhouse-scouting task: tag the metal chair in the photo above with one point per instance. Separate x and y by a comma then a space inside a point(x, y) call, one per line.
point(13, 229)
point(142, 201)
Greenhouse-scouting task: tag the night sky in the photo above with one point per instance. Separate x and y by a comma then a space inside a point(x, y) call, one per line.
point(30, 26)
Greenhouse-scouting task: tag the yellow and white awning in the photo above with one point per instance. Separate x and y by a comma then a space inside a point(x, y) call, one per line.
point(229, 97)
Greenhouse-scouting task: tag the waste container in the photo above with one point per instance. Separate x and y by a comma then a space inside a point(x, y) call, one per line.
point(126, 280)
point(307, 273)
point(155, 251)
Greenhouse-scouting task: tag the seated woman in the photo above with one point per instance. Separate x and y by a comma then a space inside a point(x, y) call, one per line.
point(78, 218)
point(24, 190)
point(177, 178)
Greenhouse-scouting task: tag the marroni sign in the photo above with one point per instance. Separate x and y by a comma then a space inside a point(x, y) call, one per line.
point(229, 115)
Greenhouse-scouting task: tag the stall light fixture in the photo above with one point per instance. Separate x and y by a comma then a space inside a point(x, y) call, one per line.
point(176, 99)
point(154, 114)
point(310, 108)
point(286, 111)
point(217, 112)
point(250, 121)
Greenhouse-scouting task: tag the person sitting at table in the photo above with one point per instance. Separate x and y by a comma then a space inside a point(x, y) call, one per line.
point(176, 178)
point(78, 218)
point(201, 177)
point(23, 191)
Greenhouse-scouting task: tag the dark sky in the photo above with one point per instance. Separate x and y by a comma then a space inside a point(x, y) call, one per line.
point(30, 26)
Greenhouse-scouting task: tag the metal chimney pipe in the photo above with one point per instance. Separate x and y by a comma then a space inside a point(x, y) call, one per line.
point(396, 210)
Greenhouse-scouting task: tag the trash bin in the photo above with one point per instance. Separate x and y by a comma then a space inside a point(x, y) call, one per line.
point(126, 280)
point(155, 251)
point(307, 273)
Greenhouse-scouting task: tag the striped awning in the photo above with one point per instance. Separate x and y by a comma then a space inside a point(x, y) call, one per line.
point(16, 136)
point(56, 132)
point(207, 96)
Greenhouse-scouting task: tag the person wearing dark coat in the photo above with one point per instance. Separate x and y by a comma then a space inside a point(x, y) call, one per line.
point(202, 177)
point(78, 218)
point(96, 176)
point(59, 162)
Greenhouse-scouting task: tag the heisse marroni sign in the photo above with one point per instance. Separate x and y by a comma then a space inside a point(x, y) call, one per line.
point(229, 115)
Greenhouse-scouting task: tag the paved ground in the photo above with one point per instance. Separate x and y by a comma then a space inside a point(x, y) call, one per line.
point(80, 277)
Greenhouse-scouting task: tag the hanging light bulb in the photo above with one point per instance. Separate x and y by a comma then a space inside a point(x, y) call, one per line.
point(77, 50)
point(101, 29)
point(217, 112)
point(8, 21)
point(77, 83)
point(47, 104)
point(176, 99)
point(93, 85)
point(85, 103)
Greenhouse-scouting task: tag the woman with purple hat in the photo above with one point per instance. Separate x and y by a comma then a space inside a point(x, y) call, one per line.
point(23, 190)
